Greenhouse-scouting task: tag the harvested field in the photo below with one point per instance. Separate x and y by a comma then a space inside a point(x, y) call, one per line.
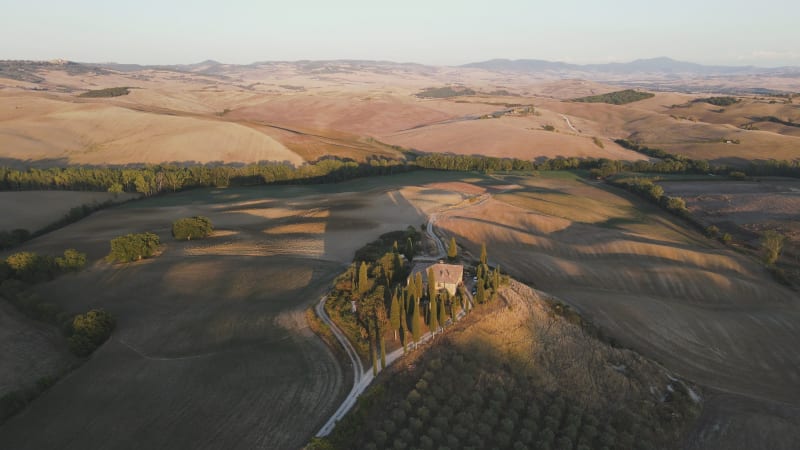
point(33, 210)
point(743, 206)
point(212, 348)
point(30, 350)
point(711, 315)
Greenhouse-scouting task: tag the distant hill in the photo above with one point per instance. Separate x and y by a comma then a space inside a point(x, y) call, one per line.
point(660, 65)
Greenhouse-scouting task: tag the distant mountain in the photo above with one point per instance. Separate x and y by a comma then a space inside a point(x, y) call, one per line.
point(661, 65)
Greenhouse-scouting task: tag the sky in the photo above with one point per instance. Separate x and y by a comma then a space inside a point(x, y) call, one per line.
point(439, 32)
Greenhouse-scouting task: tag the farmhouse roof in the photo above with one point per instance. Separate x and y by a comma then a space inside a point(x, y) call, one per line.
point(444, 273)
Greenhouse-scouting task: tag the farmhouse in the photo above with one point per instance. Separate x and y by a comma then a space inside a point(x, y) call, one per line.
point(448, 276)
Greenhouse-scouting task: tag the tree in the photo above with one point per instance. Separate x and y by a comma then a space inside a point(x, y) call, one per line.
point(196, 227)
point(442, 319)
point(480, 296)
point(394, 314)
point(484, 256)
point(434, 319)
point(409, 250)
point(72, 260)
point(452, 250)
point(771, 245)
point(416, 322)
point(419, 285)
point(133, 247)
point(363, 284)
point(90, 330)
point(431, 284)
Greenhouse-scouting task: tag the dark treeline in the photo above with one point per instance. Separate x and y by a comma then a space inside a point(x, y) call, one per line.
point(158, 179)
point(671, 163)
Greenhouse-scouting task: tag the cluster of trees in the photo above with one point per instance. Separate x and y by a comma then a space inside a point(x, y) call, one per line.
point(152, 180)
point(773, 119)
point(445, 92)
point(197, 227)
point(489, 280)
point(616, 98)
point(31, 267)
point(105, 93)
point(455, 398)
point(648, 190)
point(89, 331)
point(718, 101)
point(133, 247)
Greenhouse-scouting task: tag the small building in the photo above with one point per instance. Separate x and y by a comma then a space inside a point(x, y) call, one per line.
point(448, 276)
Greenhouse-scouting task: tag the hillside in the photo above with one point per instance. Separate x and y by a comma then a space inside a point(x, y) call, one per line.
point(514, 375)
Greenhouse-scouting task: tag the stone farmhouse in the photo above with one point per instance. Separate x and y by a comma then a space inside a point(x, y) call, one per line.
point(448, 276)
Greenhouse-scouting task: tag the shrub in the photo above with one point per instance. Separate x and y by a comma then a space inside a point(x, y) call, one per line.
point(189, 228)
point(90, 330)
point(31, 267)
point(133, 247)
point(72, 261)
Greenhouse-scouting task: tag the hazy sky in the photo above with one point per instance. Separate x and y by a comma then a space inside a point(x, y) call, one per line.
point(732, 32)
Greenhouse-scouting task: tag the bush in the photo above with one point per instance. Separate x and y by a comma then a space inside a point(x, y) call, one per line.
point(89, 331)
point(72, 261)
point(189, 228)
point(133, 247)
point(31, 267)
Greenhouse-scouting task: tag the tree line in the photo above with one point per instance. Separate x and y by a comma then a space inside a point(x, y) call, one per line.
point(157, 179)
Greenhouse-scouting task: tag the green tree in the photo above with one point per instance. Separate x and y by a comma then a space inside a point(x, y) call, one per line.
point(72, 261)
point(484, 256)
point(434, 319)
point(480, 295)
point(133, 247)
point(90, 330)
point(419, 285)
point(771, 246)
point(452, 249)
point(442, 319)
point(189, 228)
point(394, 314)
point(363, 280)
point(416, 322)
point(431, 284)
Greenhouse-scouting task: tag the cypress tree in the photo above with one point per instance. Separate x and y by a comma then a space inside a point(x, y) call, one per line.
point(484, 257)
point(452, 250)
point(372, 348)
point(383, 351)
point(419, 285)
point(409, 249)
point(362, 278)
point(480, 297)
point(395, 249)
point(416, 322)
point(404, 330)
point(431, 284)
point(411, 289)
point(394, 314)
point(434, 320)
point(442, 313)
